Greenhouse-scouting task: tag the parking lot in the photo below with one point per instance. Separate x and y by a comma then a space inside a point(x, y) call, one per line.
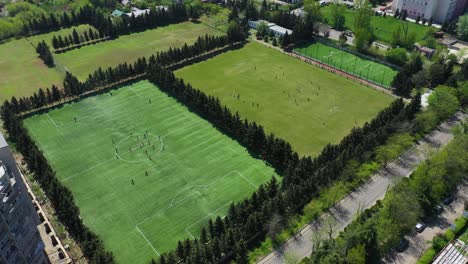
point(418, 243)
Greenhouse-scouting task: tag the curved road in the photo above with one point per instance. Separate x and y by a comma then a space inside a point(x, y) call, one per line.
point(338, 217)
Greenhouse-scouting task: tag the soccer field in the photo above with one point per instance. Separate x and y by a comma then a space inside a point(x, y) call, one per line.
point(355, 65)
point(128, 48)
point(144, 171)
point(301, 103)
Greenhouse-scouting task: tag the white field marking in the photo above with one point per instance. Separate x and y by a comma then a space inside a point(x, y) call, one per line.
point(202, 142)
point(92, 114)
point(139, 95)
point(185, 127)
point(106, 161)
point(172, 204)
point(51, 120)
point(147, 241)
point(88, 169)
point(204, 186)
point(208, 215)
point(334, 109)
point(93, 167)
point(242, 175)
point(142, 160)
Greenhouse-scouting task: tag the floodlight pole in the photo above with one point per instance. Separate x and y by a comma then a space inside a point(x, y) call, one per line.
point(354, 67)
point(368, 70)
point(383, 78)
point(341, 64)
point(316, 55)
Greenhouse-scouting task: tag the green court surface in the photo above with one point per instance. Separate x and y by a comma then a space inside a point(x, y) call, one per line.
point(144, 171)
point(301, 103)
point(128, 48)
point(366, 69)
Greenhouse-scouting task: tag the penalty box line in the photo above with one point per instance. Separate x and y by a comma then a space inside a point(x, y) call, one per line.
point(208, 215)
point(147, 241)
point(179, 202)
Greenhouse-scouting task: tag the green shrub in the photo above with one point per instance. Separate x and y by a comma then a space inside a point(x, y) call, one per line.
point(397, 56)
point(439, 242)
point(450, 234)
point(459, 224)
point(427, 257)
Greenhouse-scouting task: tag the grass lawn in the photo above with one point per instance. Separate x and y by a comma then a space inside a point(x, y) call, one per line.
point(366, 69)
point(63, 32)
point(128, 48)
point(307, 106)
point(193, 171)
point(383, 26)
point(22, 72)
point(217, 19)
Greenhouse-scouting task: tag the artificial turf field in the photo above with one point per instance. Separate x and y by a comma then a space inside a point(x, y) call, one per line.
point(194, 171)
point(127, 48)
point(365, 69)
point(301, 103)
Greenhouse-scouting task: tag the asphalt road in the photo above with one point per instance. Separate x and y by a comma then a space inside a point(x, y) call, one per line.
point(338, 217)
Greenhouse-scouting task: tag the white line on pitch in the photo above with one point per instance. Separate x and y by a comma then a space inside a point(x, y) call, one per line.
point(172, 204)
point(88, 169)
point(51, 120)
point(185, 127)
point(246, 179)
point(151, 245)
point(186, 229)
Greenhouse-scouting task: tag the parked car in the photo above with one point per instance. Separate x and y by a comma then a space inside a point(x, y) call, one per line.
point(438, 209)
point(402, 245)
point(420, 227)
point(448, 200)
point(348, 33)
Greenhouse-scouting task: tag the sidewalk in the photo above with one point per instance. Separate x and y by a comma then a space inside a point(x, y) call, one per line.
point(53, 245)
point(343, 213)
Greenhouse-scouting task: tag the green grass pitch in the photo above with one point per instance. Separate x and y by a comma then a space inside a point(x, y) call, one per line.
point(183, 169)
point(22, 72)
point(366, 69)
point(128, 48)
point(383, 26)
point(301, 103)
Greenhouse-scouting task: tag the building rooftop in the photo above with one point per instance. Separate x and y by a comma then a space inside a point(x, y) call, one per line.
point(280, 29)
point(137, 12)
point(117, 13)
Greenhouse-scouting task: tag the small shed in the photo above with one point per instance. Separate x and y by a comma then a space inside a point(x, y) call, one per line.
point(428, 52)
point(117, 13)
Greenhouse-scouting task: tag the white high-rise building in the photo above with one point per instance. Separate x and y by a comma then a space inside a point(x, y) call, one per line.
point(439, 10)
point(20, 242)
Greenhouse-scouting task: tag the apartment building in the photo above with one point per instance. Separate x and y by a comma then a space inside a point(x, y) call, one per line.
point(439, 10)
point(20, 242)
